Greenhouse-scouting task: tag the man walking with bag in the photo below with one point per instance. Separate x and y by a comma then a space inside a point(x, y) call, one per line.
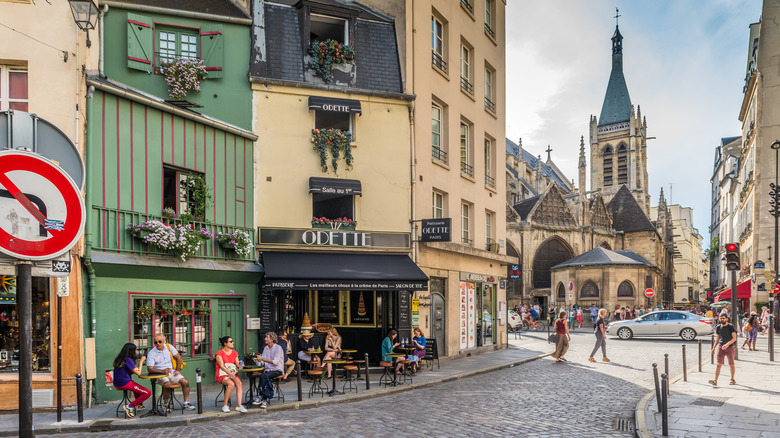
point(725, 346)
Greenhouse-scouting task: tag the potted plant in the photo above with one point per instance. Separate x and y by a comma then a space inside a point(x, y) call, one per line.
point(335, 224)
point(238, 241)
point(203, 310)
point(169, 213)
point(165, 308)
point(335, 141)
point(183, 75)
point(196, 192)
point(143, 312)
point(328, 52)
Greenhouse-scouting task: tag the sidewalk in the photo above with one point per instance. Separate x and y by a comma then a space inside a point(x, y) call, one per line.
point(103, 417)
point(751, 408)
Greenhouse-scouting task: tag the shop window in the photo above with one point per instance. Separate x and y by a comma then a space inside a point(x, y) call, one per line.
point(185, 322)
point(185, 192)
point(625, 289)
point(13, 88)
point(149, 43)
point(589, 290)
point(332, 206)
point(9, 325)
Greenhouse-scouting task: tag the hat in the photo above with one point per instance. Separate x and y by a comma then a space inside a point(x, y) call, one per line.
point(753, 313)
point(306, 332)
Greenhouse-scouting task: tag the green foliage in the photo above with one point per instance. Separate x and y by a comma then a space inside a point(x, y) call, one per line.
point(760, 304)
point(197, 194)
point(714, 248)
point(328, 52)
point(335, 141)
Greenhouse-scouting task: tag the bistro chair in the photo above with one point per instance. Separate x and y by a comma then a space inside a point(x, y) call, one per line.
point(125, 401)
point(217, 400)
point(350, 378)
point(171, 404)
point(387, 377)
point(278, 388)
point(316, 384)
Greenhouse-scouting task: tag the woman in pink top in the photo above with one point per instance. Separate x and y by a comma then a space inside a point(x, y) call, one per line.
point(227, 373)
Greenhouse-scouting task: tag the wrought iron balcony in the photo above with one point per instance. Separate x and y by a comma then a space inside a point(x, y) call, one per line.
point(466, 86)
point(439, 62)
point(438, 154)
point(490, 31)
point(467, 4)
point(490, 181)
point(489, 105)
point(466, 169)
point(110, 235)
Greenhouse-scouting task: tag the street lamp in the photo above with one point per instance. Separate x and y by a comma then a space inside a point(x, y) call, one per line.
point(774, 210)
point(85, 15)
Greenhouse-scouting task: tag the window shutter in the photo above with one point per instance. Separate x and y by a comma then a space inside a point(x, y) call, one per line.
point(139, 42)
point(211, 50)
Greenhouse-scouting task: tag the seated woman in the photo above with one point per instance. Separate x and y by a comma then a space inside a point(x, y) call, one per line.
point(332, 348)
point(419, 347)
point(305, 345)
point(388, 344)
point(124, 368)
point(227, 373)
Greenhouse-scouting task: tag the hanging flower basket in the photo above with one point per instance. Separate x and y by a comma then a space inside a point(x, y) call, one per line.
point(334, 141)
point(328, 52)
point(182, 240)
point(238, 241)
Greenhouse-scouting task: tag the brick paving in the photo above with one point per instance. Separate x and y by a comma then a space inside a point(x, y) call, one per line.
point(536, 399)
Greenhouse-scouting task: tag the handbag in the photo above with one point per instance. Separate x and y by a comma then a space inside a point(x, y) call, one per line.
point(552, 338)
point(173, 359)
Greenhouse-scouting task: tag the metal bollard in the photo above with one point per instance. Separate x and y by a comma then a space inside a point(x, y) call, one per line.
point(300, 381)
point(548, 333)
point(657, 387)
point(664, 406)
point(199, 390)
point(771, 339)
point(666, 369)
point(699, 355)
point(368, 380)
point(79, 398)
point(712, 349)
point(685, 366)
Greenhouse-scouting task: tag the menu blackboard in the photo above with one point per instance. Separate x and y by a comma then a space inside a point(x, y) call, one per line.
point(328, 306)
point(267, 314)
point(404, 314)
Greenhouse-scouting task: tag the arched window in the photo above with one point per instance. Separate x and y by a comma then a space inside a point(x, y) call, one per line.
point(548, 255)
point(625, 289)
point(589, 290)
point(605, 245)
point(622, 161)
point(607, 165)
point(561, 292)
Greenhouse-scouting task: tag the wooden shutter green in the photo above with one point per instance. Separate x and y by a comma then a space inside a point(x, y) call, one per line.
point(211, 50)
point(140, 40)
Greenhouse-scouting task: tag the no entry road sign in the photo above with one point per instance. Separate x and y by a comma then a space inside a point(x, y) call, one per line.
point(649, 293)
point(42, 213)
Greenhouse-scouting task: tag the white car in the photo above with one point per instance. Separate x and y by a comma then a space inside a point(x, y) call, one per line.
point(663, 323)
point(515, 321)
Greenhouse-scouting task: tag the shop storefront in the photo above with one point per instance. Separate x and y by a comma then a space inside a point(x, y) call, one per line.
point(477, 310)
point(332, 282)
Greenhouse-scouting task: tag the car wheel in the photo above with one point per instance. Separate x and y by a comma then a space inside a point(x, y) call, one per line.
point(625, 333)
point(688, 334)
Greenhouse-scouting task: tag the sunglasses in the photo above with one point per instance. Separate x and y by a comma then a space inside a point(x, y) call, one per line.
point(158, 342)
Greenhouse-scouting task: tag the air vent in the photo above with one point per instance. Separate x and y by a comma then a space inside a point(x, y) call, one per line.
point(710, 401)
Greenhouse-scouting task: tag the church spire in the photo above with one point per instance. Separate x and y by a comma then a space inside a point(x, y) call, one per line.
point(582, 166)
point(617, 103)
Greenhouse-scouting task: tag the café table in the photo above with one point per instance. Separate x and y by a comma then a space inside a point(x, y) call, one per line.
point(251, 371)
point(153, 378)
point(395, 375)
point(334, 362)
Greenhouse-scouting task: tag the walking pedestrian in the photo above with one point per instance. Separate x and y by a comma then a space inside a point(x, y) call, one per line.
point(601, 337)
point(562, 337)
point(571, 316)
point(579, 316)
point(725, 346)
point(751, 329)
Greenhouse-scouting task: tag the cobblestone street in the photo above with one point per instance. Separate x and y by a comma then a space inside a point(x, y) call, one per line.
point(537, 399)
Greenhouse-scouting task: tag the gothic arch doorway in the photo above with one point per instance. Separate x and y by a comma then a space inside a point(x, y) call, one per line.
point(549, 254)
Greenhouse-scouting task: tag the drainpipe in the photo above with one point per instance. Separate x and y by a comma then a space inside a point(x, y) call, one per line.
point(103, 12)
point(88, 226)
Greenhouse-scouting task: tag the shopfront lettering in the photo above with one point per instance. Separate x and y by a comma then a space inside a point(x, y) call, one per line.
point(436, 230)
point(337, 190)
point(336, 238)
point(332, 107)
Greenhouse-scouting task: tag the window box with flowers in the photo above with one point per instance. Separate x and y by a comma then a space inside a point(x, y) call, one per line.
point(183, 75)
point(238, 241)
point(340, 223)
point(183, 240)
point(328, 52)
point(335, 141)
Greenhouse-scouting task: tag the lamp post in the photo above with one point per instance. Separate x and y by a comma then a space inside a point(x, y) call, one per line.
point(85, 15)
point(774, 210)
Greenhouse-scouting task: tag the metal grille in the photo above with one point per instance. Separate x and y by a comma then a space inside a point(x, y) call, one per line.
point(624, 424)
point(710, 401)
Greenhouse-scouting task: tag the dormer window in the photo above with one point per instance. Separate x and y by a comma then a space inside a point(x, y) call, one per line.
point(328, 28)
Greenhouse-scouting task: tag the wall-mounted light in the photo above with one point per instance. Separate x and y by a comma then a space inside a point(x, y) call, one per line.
point(85, 15)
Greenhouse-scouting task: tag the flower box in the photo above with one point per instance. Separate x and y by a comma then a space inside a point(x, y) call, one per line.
point(330, 227)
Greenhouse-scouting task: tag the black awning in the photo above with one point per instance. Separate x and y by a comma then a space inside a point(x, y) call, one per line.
point(334, 105)
point(335, 186)
point(312, 271)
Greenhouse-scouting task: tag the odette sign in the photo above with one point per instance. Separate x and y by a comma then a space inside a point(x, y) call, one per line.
point(43, 211)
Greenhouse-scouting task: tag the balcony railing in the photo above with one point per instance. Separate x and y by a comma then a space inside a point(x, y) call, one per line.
point(489, 105)
point(438, 154)
point(466, 86)
point(110, 235)
point(467, 4)
point(466, 169)
point(490, 31)
point(439, 62)
point(490, 181)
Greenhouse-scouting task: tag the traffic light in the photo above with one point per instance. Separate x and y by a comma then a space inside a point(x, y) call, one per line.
point(732, 256)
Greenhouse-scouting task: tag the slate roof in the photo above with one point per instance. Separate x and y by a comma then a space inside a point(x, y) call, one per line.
point(554, 175)
point(604, 257)
point(627, 215)
point(617, 103)
point(525, 206)
point(214, 7)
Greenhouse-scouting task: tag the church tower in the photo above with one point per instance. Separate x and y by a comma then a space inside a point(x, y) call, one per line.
point(618, 139)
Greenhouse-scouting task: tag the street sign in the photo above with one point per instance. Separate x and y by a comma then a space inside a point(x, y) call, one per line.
point(649, 292)
point(777, 289)
point(571, 285)
point(43, 212)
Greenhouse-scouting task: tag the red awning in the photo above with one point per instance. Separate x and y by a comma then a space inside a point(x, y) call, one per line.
point(743, 291)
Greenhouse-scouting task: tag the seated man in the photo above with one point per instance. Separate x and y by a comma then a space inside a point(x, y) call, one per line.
point(289, 364)
point(159, 360)
point(273, 360)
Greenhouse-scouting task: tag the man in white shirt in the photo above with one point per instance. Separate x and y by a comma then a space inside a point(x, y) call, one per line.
point(273, 360)
point(159, 360)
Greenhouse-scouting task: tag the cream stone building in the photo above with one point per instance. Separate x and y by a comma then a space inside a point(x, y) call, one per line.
point(688, 287)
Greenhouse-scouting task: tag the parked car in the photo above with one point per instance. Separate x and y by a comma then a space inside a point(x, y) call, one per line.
point(515, 321)
point(663, 323)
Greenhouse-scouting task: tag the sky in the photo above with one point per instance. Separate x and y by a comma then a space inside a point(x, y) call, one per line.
point(684, 62)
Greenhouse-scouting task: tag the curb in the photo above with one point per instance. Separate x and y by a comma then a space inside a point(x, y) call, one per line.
point(116, 425)
point(640, 420)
